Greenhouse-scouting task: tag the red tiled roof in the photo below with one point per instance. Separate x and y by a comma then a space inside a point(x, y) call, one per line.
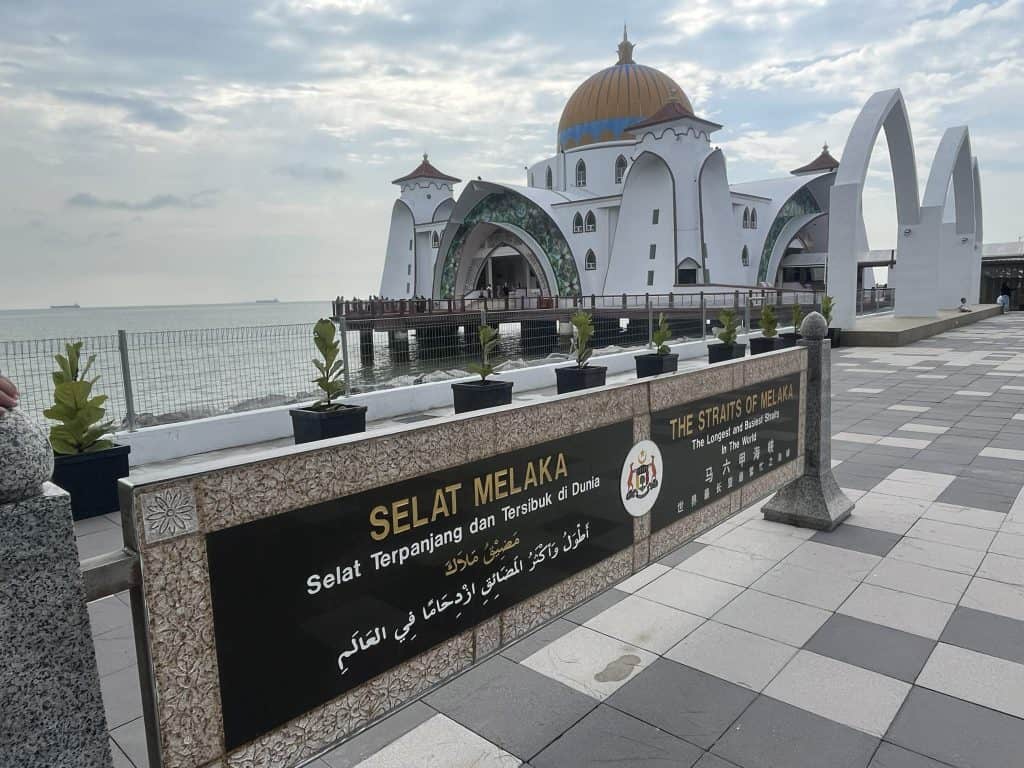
point(426, 170)
point(823, 162)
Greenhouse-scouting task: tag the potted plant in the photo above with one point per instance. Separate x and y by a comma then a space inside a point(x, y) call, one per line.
point(790, 338)
point(474, 395)
point(581, 375)
point(661, 360)
point(769, 332)
point(827, 305)
point(728, 349)
point(86, 463)
point(326, 418)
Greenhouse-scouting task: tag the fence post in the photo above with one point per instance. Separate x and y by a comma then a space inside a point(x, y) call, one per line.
point(703, 318)
point(746, 312)
point(650, 320)
point(814, 499)
point(343, 324)
point(126, 379)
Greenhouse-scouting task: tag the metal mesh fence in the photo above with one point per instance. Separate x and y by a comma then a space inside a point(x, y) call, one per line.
point(159, 377)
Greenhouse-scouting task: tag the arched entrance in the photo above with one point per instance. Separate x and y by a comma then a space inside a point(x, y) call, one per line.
point(495, 261)
point(885, 110)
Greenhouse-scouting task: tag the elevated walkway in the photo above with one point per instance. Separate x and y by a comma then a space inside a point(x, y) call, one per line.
point(889, 331)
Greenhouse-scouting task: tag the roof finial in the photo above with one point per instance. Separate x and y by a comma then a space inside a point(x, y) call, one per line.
point(424, 157)
point(625, 48)
point(824, 147)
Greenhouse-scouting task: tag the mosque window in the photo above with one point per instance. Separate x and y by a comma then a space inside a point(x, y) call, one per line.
point(547, 178)
point(435, 241)
point(653, 251)
point(746, 218)
point(408, 269)
point(654, 216)
point(410, 245)
point(591, 261)
point(753, 218)
point(686, 276)
point(620, 169)
point(577, 223)
point(581, 174)
point(406, 287)
point(591, 222)
point(650, 277)
point(745, 257)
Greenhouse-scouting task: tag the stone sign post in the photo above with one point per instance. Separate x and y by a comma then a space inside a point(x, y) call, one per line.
point(814, 500)
point(51, 711)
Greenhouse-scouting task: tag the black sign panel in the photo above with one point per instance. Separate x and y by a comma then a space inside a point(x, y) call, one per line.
point(713, 446)
point(311, 603)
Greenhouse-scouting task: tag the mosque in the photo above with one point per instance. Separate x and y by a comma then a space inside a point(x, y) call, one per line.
point(636, 200)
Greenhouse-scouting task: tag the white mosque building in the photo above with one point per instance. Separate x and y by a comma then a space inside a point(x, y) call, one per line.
point(636, 200)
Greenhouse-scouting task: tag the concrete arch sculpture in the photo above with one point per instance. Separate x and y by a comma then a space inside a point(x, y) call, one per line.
point(951, 241)
point(975, 290)
point(886, 111)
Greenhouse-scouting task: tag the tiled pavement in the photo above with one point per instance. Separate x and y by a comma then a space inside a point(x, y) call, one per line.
point(895, 642)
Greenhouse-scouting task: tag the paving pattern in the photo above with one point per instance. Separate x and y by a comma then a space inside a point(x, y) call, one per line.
point(896, 641)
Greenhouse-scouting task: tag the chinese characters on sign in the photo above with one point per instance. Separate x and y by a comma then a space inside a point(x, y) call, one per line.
point(713, 446)
point(311, 603)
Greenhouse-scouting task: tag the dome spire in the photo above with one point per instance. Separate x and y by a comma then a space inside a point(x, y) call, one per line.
point(625, 48)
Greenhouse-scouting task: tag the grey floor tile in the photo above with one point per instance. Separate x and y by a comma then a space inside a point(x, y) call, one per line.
point(771, 734)
point(957, 732)
point(867, 540)
point(595, 605)
point(891, 756)
point(120, 759)
point(99, 543)
point(673, 559)
point(986, 633)
point(485, 698)
point(684, 701)
point(607, 737)
point(864, 644)
point(115, 650)
point(122, 700)
point(374, 739)
point(107, 614)
point(713, 761)
point(131, 738)
point(533, 642)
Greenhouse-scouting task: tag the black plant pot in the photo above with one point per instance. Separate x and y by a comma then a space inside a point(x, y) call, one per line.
point(834, 335)
point(758, 346)
point(91, 479)
point(309, 426)
point(789, 339)
point(474, 395)
point(719, 353)
point(574, 378)
point(654, 364)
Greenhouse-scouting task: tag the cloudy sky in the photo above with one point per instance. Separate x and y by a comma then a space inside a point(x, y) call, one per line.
point(164, 151)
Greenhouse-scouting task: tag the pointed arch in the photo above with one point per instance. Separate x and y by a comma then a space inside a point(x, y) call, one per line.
point(435, 241)
point(547, 178)
point(620, 169)
point(581, 173)
point(577, 223)
point(590, 222)
point(886, 111)
point(590, 262)
point(745, 256)
point(753, 218)
point(746, 218)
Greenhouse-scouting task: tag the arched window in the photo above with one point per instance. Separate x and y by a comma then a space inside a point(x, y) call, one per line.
point(590, 225)
point(591, 261)
point(435, 241)
point(745, 257)
point(581, 174)
point(620, 169)
point(753, 218)
point(577, 222)
point(746, 218)
point(547, 177)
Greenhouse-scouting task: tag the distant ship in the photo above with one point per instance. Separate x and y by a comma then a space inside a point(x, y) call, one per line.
point(65, 306)
point(266, 301)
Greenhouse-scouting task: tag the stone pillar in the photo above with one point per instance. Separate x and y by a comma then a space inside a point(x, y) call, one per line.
point(814, 500)
point(51, 711)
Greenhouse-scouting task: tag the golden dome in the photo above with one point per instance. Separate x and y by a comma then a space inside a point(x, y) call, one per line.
point(608, 102)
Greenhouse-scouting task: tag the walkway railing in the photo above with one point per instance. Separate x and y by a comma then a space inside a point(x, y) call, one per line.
point(162, 377)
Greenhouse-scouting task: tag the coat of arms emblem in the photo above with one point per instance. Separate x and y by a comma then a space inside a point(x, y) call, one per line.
point(643, 476)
